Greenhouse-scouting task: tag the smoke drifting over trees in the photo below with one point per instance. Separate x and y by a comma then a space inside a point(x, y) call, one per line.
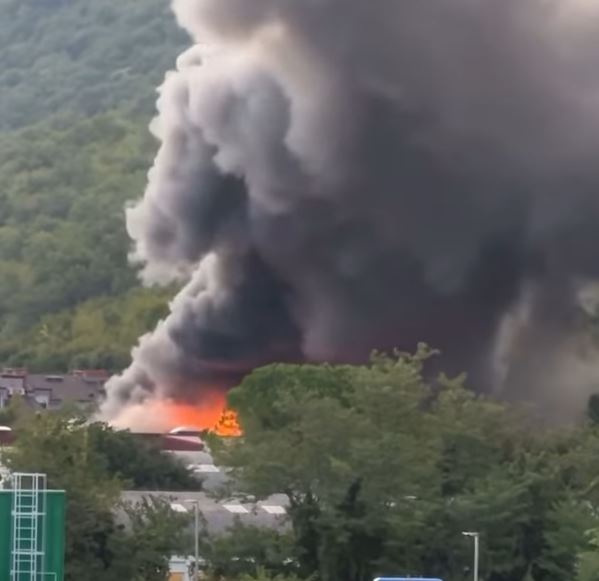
point(338, 175)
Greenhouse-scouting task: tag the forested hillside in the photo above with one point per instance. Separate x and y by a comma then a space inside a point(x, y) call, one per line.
point(77, 89)
point(84, 57)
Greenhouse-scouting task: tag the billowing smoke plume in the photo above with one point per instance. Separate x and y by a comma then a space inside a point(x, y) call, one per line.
point(342, 175)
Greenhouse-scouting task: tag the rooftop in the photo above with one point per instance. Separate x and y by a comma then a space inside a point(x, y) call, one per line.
point(53, 390)
point(221, 515)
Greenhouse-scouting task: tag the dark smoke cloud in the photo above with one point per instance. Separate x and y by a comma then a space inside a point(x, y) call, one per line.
point(340, 175)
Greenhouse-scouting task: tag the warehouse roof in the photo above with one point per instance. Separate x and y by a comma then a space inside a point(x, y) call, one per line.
point(221, 515)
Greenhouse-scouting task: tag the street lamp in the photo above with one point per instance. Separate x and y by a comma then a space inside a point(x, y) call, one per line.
point(196, 536)
point(474, 536)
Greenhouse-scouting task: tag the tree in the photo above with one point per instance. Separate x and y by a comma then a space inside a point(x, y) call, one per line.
point(154, 532)
point(263, 575)
point(66, 182)
point(141, 465)
point(566, 537)
point(384, 469)
point(57, 445)
point(588, 560)
point(245, 550)
point(330, 437)
point(16, 409)
point(99, 545)
point(82, 57)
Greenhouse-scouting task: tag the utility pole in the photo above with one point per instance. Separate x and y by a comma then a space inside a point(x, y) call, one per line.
point(196, 506)
point(196, 534)
point(475, 537)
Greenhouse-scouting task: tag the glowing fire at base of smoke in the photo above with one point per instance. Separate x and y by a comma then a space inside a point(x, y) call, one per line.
point(227, 425)
point(164, 415)
point(214, 418)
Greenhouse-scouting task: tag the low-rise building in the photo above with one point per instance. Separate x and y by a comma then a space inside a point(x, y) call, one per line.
point(219, 516)
point(81, 387)
point(180, 568)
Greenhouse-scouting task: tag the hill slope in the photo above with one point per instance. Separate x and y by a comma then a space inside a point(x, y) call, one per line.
point(82, 56)
point(67, 295)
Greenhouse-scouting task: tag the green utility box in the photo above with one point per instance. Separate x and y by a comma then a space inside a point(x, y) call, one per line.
point(41, 553)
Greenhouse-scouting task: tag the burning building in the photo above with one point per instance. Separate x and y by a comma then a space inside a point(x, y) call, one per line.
point(341, 175)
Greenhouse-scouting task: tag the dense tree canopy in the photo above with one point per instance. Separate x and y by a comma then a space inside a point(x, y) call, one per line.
point(141, 465)
point(63, 243)
point(95, 334)
point(245, 549)
point(78, 83)
point(105, 539)
point(62, 235)
point(385, 469)
point(82, 57)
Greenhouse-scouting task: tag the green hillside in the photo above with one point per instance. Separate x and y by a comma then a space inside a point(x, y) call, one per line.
point(77, 85)
point(78, 56)
point(62, 232)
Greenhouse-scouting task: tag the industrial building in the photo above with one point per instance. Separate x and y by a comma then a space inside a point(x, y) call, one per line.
point(81, 387)
point(20, 547)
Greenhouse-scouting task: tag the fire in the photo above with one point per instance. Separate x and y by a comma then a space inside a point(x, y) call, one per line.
point(210, 414)
point(162, 415)
point(227, 425)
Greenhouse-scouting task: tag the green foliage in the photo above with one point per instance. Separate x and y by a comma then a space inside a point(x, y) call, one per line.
point(153, 534)
point(98, 333)
point(588, 561)
point(141, 465)
point(566, 535)
point(64, 186)
point(57, 446)
point(63, 244)
point(247, 550)
point(263, 575)
point(82, 57)
point(136, 464)
point(16, 410)
point(384, 470)
point(78, 82)
point(80, 460)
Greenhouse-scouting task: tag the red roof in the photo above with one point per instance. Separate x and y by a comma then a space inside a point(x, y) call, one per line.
point(165, 441)
point(6, 438)
point(14, 372)
point(173, 443)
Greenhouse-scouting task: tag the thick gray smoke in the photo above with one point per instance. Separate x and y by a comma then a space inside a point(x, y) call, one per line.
point(342, 175)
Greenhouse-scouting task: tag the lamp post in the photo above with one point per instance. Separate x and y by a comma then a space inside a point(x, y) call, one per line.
point(475, 537)
point(196, 536)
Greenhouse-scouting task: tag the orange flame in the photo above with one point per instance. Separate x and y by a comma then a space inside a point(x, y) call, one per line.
point(227, 425)
point(210, 414)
